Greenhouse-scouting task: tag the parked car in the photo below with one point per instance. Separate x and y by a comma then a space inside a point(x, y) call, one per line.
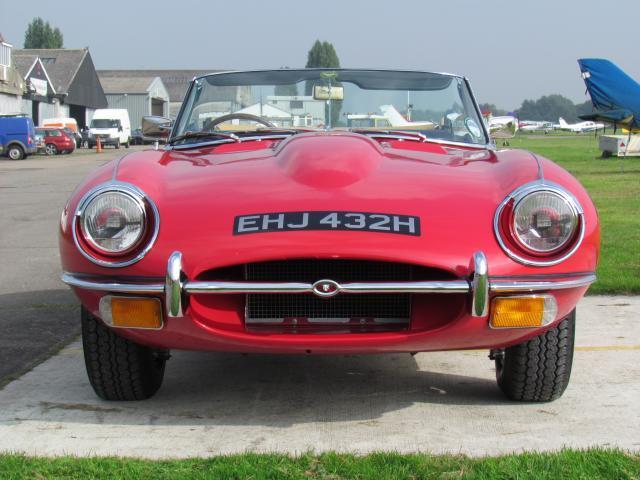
point(70, 125)
point(112, 126)
point(73, 136)
point(137, 138)
point(40, 143)
point(247, 234)
point(17, 136)
point(56, 141)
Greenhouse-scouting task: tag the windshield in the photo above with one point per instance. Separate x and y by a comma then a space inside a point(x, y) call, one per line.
point(104, 123)
point(438, 106)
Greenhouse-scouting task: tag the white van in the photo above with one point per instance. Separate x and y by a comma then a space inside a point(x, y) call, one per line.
point(112, 126)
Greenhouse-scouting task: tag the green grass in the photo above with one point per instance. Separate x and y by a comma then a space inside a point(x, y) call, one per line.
point(614, 186)
point(567, 464)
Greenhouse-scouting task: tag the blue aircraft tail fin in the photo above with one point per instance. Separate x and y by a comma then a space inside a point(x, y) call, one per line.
point(614, 94)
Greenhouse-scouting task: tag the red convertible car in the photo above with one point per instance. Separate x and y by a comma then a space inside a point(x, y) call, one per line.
point(328, 212)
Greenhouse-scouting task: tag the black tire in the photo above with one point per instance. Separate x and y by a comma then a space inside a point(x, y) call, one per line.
point(126, 145)
point(51, 149)
point(15, 152)
point(119, 369)
point(117, 144)
point(539, 369)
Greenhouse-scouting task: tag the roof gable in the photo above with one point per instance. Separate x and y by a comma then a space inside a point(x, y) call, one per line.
point(62, 64)
point(129, 85)
point(176, 82)
point(70, 72)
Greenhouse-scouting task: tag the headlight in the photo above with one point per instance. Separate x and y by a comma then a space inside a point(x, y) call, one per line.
point(115, 224)
point(539, 224)
point(544, 221)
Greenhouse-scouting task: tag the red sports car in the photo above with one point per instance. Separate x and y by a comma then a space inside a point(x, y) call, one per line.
point(328, 212)
point(55, 140)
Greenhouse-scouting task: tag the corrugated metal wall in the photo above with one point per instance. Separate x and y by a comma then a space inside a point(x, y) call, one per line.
point(50, 110)
point(137, 105)
point(10, 103)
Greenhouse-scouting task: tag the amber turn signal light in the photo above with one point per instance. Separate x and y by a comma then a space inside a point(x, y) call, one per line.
point(131, 312)
point(523, 311)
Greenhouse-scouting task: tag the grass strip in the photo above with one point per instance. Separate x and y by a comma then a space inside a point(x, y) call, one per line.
point(566, 464)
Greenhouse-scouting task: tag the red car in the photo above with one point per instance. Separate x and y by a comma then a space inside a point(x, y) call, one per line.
point(270, 223)
point(55, 140)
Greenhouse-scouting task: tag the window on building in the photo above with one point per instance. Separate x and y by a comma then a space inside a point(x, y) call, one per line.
point(296, 104)
point(5, 54)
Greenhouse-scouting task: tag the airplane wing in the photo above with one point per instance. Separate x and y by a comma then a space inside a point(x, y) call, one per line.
point(614, 94)
point(619, 117)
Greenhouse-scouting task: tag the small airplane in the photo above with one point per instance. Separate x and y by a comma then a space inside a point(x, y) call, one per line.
point(581, 127)
point(535, 126)
point(614, 94)
point(397, 120)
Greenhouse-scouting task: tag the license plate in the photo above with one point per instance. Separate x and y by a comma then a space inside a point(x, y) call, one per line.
point(357, 221)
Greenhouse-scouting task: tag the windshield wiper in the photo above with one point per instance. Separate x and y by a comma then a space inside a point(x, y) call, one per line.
point(416, 136)
point(268, 131)
point(189, 135)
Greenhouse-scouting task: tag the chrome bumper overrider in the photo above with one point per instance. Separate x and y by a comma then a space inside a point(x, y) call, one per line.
point(479, 285)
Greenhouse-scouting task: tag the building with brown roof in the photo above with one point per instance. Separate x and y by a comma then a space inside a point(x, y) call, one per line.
point(60, 83)
point(140, 95)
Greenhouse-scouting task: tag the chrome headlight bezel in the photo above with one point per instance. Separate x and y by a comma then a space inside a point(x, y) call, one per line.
point(135, 252)
point(516, 248)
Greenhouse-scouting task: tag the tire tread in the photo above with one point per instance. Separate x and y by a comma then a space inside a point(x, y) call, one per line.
point(119, 369)
point(539, 369)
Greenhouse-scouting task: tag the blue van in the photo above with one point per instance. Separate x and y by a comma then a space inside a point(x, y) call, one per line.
point(17, 137)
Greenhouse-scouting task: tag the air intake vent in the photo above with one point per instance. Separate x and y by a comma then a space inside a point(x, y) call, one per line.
point(344, 312)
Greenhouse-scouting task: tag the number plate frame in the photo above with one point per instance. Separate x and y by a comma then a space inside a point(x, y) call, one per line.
point(327, 220)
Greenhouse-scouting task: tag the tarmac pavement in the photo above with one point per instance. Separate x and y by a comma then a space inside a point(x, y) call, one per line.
point(214, 403)
point(38, 314)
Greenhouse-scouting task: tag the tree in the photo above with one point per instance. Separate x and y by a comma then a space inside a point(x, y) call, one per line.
point(286, 90)
point(323, 55)
point(490, 107)
point(584, 108)
point(40, 34)
point(548, 108)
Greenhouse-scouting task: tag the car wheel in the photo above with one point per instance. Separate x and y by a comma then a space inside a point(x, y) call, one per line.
point(538, 370)
point(15, 152)
point(51, 149)
point(117, 144)
point(119, 369)
point(126, 145)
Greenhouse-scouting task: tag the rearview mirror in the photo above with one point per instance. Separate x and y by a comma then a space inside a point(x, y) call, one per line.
point(156, 127)
point(504, 131)
point(324, 92)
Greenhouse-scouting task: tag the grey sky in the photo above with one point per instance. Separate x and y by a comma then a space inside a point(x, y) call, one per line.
point(511, 50)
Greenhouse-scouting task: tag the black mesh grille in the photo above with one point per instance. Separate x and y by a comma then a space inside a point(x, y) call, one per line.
point(356, 311)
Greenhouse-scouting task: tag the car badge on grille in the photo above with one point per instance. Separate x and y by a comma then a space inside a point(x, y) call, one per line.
point(326, 288)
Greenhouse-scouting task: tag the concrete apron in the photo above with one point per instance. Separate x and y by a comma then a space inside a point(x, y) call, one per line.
point(435, 402)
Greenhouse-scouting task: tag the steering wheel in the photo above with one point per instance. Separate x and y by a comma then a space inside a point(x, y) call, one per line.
point(238, 116)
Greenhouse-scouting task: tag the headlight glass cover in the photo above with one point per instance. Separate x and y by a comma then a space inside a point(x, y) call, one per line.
point(113, 222)
point(544, 221)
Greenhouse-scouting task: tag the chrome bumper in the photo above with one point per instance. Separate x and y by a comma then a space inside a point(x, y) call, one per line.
point(479, 285)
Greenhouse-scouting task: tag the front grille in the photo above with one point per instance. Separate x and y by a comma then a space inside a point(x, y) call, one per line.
point(344, 312)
